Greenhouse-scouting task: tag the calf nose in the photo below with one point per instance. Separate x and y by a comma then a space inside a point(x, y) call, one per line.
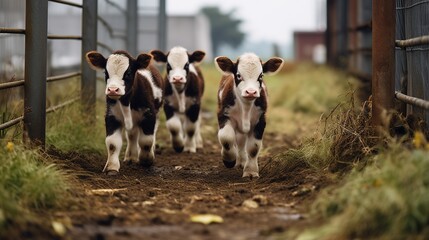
point(177, 79)
point(113, 90)
point(251, 92)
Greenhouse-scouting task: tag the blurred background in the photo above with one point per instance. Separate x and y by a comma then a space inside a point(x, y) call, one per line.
point(219, 27)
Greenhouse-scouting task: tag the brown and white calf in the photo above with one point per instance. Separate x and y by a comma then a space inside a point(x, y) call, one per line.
point(133, 97)
point(242, 104)
point(184, 87)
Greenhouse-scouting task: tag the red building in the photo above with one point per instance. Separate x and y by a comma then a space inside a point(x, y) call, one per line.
point(309, 46)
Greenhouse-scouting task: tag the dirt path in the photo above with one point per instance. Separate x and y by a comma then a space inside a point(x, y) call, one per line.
point(158, 203)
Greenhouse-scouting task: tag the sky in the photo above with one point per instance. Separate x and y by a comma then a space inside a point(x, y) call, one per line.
point(263, 20)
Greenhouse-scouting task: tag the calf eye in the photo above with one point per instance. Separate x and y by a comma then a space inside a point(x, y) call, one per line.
point(186, 66)
point(168, 67)
point(238, 75)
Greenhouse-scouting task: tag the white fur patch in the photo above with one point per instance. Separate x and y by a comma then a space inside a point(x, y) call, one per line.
point(157, 92)
point(116, 66)
point(249, 66)
point(177, 58)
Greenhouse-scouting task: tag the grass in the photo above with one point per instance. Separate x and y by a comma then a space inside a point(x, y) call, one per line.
point(388, 199)
point(28, 183)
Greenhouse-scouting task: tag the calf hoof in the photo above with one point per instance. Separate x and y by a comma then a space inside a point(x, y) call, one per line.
point(250, 175)
point(146, 163)
point(112, 172)
point(178, 149)
point(229, 164)
point(129, 161)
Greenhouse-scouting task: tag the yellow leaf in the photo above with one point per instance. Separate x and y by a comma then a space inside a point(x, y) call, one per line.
point(206, 218)
point(10, 146)
point(419, 139)
point(59, 228)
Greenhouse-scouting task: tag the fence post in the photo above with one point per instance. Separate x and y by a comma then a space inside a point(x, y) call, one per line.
point(162, 26)
point(383, 58)
point(89, 43)
point(132, 27)
point(36, 28)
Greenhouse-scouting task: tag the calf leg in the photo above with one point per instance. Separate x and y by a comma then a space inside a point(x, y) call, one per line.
point(174, 125)
point(191, 125)
point(254, 144)
point(242, 151)
point(147, 141)
point(114, 145)
point(198, 134)
point(132, 151)
point(226, 136)
point(251, 168)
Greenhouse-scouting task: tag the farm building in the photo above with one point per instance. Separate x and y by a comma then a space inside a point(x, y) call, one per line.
point(309, 46)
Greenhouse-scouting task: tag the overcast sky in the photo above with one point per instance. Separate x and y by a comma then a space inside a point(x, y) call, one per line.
point(271, 20)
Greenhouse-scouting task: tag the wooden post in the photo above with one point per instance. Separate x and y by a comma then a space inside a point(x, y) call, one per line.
point(383, 58)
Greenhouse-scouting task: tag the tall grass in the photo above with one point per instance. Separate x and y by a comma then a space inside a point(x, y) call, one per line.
point(70, 129)
point(389, 199)
point(28, 182)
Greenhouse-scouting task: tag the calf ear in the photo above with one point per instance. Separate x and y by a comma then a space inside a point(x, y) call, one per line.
point(224, 65)
point(196, 56)
point(95, 60)
point(143, 60)
point(159, 56)
point(272, 66)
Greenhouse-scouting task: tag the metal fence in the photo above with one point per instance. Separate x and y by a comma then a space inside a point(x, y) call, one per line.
point(38, 41)
point(385, 44)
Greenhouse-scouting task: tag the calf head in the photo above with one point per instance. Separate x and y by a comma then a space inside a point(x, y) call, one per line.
point(119, 68)
point(248, 73)
point(178, 64)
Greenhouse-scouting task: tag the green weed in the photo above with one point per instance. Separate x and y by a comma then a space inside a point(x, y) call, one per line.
point(28, 182)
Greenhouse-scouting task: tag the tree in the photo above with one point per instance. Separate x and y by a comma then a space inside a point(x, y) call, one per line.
point(224, 28)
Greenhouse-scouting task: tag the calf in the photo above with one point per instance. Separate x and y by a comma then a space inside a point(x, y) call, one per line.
point(242, 103)
point(133, 98)
point(184, 87)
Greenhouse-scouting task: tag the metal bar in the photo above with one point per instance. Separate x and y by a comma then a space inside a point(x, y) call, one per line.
point(67, 3)
point(110, 29)
point(422, 40)
point(12, 30)
point(61, 105)
point(64, 37)
point(105, 46)
point(383, 58)
point(413, 5)
point(115, 5)
point(132, 26)
point(36, 24)
point(11, 123)
point(12, 84)
point(89, 43)
point(162, 26)
point(412, 100)
point(15, 121)
point(62, 76)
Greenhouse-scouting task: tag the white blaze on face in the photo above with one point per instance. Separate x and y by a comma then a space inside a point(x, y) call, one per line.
point(177, 59)
point(116, 66)
point(249, 69)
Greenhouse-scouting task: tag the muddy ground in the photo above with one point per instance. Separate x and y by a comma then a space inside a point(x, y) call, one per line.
point(158, 203)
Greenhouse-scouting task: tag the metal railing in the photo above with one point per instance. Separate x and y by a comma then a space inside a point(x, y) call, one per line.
point(35, 76)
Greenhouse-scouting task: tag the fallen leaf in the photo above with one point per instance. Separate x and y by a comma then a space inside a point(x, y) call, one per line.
point(249, 203)
point(59, 228)
point(260, 199)
point(108, 191)
point(206, 218)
